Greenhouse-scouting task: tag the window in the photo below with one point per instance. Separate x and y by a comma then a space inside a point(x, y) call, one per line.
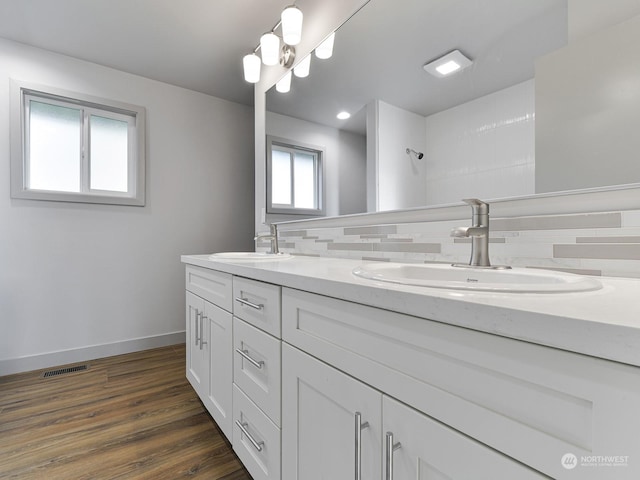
point(294, 178)
point(75, 148)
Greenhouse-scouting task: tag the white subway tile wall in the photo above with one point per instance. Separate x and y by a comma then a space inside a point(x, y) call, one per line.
point(484, 148)
point(606, 244)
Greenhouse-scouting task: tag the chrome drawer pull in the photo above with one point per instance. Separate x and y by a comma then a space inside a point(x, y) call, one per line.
point(202, 342)
point(243, 429)
point(390, 447)
point(257, 306)
point(245, 354)
point(359, 426)
point(197, 326)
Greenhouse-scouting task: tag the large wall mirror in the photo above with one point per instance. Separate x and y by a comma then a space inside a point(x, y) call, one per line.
point(522, 119)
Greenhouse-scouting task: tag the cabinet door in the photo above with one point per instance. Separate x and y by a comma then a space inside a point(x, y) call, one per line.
point(218, 344)
point(427, 449)
point(320, 437)
point(197, 356)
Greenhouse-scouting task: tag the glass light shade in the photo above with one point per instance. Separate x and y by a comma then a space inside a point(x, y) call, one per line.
point(251, 64)
point(325, 49)
point(270, 48)
point(302, 69)
point(284, 84)
point(291, 25)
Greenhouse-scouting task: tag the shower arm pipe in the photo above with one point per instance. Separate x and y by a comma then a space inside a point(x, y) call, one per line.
point(418, 155)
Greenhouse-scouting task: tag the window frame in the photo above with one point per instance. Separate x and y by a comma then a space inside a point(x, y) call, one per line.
point(319, 174)
point(135, 116)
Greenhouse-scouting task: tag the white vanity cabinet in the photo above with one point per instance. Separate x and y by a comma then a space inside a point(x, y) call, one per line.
point(533, 404)
point(330, 422)
point(335, 426)
point(209, 342)
point(311, 387)
point(419, 447)
point(256, 376)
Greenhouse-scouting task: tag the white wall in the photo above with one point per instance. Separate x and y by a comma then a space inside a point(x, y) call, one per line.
point(400, 177)
point(345, 161)
point(590, 16)
point(483, 149)
point(78, 280)
point(588, 108)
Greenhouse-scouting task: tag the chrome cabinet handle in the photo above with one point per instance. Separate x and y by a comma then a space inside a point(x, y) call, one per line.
point(390, 447)
point(243, 301)
point(245, 354)
point(197, 327)
point(359, 426)
point(243, 429)
point(202, 342)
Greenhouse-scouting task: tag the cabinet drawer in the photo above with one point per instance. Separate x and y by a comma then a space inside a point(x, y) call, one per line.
point(257, 303)
point(211, 285)
point(256, 367)
point(533, 403)
point(258, 446)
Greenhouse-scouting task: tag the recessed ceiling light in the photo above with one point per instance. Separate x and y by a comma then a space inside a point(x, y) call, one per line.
point(343, 115)
point(448, 64)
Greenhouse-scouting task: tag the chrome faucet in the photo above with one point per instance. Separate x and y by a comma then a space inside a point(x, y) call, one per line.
point(479, 233)
point(272, 236)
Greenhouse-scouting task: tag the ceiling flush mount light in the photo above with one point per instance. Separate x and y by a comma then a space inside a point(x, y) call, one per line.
point(270, 48)
point(343, 115)
point(251, 64)
point(302, 69)
point(448, 64)
point(325, 49)
point(284, 84)
point(291, 19)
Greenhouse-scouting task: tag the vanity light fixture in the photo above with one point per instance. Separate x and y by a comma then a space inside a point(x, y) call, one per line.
point(284, 84)
point(291, 19)
point(448, 64)
point(325, 49)
point(251, 64)
point(343, 115)
point(269, 46)
point(302, 69)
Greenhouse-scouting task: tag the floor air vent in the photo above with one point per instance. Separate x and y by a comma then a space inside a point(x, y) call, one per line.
point(62, 371)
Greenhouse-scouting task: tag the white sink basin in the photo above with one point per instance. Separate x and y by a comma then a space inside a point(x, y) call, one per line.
point(252, 256)
point(515, 280)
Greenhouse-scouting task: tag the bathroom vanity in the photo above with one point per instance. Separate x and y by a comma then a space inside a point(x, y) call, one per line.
point(313, 372)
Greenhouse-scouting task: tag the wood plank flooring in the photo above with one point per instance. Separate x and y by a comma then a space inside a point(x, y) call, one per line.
point(132, 416)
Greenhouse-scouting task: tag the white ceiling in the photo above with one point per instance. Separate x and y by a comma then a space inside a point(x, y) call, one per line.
point(196, 44)
point(379, 54)
point(199, 45)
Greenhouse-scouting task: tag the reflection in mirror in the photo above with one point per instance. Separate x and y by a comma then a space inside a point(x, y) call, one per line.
point(477, 128)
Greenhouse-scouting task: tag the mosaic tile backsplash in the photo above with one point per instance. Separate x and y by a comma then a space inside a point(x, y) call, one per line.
point(603, 244)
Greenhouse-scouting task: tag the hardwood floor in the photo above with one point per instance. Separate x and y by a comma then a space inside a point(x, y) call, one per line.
point(132, 416)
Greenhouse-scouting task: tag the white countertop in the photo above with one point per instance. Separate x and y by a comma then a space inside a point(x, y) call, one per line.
point(603, 323)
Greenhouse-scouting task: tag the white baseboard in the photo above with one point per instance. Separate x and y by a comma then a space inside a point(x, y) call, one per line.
point(83, 354)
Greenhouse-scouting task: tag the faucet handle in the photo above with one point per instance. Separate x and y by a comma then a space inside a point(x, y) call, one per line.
point(478, 206)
